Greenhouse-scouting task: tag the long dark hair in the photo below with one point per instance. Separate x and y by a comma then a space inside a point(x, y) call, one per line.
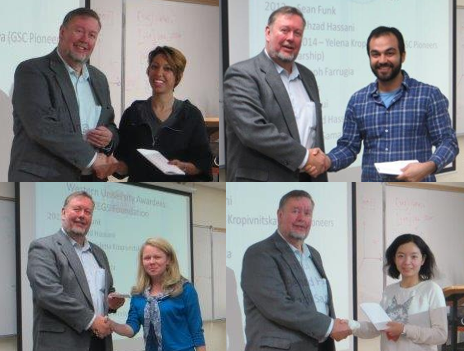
point(426, 270)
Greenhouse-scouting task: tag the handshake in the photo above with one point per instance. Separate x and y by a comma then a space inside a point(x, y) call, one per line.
point(341, 330)
point(318, 162)
point(105, 166)
point(102, 326)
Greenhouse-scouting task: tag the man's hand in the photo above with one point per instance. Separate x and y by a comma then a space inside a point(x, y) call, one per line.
point(318, 162)
point(415, 172)
point(394, 330)
point(340, 330)
point(101, 327)
point(115, 302)
point(104, 165)
point(99, 137)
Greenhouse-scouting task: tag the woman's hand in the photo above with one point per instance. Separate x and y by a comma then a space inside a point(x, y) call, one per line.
point(394, 330)
point(187, 167)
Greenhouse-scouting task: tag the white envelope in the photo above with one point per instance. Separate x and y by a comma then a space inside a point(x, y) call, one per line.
point(392, 168)
point(376, 315)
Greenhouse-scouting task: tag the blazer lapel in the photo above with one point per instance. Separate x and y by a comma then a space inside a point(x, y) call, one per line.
point(63, 80)
point(311, 89)
point(98, 91)
point(321, 271)
point(102, 263)
point(280, 94)
point(297, 270)
point(316, 262)
point(76, 265)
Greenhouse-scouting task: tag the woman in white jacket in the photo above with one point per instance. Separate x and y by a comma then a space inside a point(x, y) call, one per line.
point(416, 305)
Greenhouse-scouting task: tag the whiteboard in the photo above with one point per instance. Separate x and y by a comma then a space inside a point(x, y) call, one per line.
point(209, 260)
point(191, 28)
point(107, 54)
point(385, 211)
point(7, 262)
point(437, 217)
point(202, 270)
point(460, 70)
point(219, 275)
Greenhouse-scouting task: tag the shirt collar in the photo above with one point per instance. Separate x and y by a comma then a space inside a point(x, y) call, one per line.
point(306, 252)
point(74, 243)
point(295, 73)
point(71, 71)
point(373, 90)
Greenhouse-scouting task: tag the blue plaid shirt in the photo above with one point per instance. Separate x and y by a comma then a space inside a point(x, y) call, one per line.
point(416, 119)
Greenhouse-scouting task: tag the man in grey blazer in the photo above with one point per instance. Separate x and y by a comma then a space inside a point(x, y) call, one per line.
point(71, 280)
point(272, 109)
point(287, 296)
point(63, 121)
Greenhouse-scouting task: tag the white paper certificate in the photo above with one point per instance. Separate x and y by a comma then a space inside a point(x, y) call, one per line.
point(376, 315)
point(392, 168)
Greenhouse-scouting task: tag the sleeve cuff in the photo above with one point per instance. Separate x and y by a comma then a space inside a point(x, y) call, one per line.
point(304, 160)
point(92, 161)
point(329, 330)
point(91, 322)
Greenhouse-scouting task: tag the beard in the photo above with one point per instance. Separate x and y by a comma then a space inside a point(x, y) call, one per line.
point(281, 56)
point(395, 70)
point(298, 236)
point(78, 58)
point(285, 58)
point(74, 230)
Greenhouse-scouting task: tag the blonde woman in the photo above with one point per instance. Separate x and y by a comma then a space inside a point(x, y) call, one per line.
point(164, 302)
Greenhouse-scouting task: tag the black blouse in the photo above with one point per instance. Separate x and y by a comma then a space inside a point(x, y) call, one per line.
point(182, 136)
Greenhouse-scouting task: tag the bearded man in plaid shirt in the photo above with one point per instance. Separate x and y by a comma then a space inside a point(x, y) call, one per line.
point(397, 118)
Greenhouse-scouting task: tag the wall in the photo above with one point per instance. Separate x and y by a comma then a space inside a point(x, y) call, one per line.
point(209, 209)
point(209, 206)
point(8, 343)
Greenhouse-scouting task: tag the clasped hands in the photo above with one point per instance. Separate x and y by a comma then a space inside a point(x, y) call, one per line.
point(318, 162)
point(102, 326)
point(105, 166)
point(340, 330)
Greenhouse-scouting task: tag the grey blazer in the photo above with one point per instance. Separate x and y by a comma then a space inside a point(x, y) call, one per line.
point(48, 143)
point(279, 308)
point(263, 143)
point(61, 297)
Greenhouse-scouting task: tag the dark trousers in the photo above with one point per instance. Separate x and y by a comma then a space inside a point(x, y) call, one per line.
point(97, 344)
point(304, 177)
point(91, 178)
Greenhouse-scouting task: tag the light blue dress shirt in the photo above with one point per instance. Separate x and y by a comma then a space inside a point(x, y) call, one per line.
point(303, 108)
point(89, 111)
point(95, 275)
point(317, 284)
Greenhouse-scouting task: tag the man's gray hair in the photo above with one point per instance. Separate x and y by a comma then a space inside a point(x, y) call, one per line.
point(285, 10)
point(78, 194)
point(295, 194)
point(81, 11)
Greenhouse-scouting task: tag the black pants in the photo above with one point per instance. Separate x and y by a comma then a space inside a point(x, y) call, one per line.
point(97, 344)
point(304, 177)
